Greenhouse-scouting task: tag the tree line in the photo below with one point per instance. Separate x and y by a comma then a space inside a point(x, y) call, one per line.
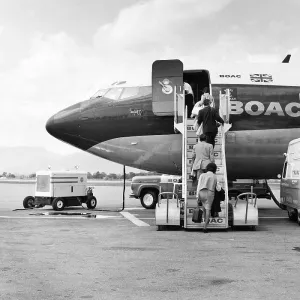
point(8, 175)
point(97, 175)
point(114, 176)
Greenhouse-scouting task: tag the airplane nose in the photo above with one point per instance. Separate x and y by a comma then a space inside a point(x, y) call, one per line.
point(65, 124)
point(50, 127)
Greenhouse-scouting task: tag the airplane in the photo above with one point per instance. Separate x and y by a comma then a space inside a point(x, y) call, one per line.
point(126, 124)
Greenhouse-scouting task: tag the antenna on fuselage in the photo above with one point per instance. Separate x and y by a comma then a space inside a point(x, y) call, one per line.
point(119, 82)
point(287, 59)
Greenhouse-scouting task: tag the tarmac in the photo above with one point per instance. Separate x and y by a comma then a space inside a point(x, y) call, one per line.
point(123, 256)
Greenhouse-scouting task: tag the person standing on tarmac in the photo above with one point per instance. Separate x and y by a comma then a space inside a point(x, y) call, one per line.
point(208, 116)
point(206, 191)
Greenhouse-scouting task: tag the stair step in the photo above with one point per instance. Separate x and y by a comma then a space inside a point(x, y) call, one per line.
point(218, 148)
point(189, 154)
point(217, 155)
point(190, 128)
point(192, 140)
point(218, 141)
point(190, 122)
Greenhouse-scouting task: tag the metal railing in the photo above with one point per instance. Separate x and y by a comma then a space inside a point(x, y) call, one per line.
point(224, 105)
point(247, 199)
point(178, 106)
point(159, 200)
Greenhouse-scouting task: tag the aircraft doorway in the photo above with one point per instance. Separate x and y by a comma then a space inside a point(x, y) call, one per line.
point(197, 79)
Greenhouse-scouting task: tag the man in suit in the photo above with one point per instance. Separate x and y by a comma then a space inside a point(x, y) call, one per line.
point(208, 116)
point(203, 154)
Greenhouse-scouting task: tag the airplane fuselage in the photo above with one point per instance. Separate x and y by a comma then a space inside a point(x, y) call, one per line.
point(264, 119)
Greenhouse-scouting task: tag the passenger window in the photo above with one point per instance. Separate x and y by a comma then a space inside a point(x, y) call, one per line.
point(114, 93)
point(130, 92)
point(284, 170)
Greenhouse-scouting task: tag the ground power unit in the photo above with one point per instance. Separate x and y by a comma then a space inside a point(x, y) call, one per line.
point(61, 189)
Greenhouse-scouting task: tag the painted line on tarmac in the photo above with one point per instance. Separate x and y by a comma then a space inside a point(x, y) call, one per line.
point(134, 208)
point(55, 217)
point(133, 219)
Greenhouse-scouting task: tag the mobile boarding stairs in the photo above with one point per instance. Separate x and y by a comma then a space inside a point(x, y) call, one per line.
point(176, 208)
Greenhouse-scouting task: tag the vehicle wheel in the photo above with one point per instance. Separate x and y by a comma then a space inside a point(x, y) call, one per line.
point(298, 217)
point(28, 202)
point(58, 204)
point(91, 203)
point(293, 215)
point(149, 199)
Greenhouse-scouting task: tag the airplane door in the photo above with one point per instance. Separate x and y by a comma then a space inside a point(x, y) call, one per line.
point(166, 74)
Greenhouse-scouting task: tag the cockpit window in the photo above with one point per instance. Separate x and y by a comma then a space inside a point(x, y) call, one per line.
point(100, 93)
point(130, 92)
point(114, 93)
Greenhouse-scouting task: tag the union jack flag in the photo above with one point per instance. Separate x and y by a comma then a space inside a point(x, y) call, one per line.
point(261, 78)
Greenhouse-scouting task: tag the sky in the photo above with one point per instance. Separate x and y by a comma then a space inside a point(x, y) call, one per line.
point(54, 53)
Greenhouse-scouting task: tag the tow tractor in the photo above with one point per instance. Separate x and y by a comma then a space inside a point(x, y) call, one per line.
point(175, 209)
point(61, 189)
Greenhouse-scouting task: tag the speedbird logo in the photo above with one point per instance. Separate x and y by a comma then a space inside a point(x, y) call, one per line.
point(166, 87)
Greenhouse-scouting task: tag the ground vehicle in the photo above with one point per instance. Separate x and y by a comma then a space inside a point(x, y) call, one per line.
point(259, 187)
point(147, 188)
point(290, 181)
point(61, 189)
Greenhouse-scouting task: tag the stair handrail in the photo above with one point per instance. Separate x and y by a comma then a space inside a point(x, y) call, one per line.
point(247, 199)
point(164, 193)
point(225, 170)
point(175, 106)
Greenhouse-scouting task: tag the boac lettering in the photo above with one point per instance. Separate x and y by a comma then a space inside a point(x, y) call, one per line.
point(260, 108)
point(230, 76)
point(256, 108)
point(274, 108)
point(236, 107)
point(288, 109)
point(213, 220)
